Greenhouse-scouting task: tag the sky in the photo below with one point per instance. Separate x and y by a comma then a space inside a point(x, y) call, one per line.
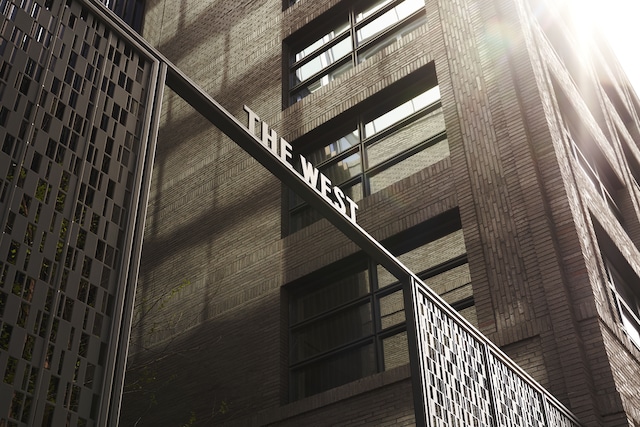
point(619, 20)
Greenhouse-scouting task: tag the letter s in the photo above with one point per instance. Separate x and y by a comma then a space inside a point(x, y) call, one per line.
point(339, 203)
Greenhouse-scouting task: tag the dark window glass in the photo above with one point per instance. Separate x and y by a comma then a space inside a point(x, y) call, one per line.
point(131, 11)
point(348, 323)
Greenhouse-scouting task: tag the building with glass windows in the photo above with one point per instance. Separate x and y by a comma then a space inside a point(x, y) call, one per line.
point(488, 146)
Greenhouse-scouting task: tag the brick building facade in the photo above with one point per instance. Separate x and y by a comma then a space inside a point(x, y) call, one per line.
point(535, 167)
point(487, 145)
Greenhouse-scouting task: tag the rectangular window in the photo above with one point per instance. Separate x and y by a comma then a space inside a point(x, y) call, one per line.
point(599, 173)
point(348, 323)
point(377, 149)
point(627, 301)
point(349, 37)
point(588, 154)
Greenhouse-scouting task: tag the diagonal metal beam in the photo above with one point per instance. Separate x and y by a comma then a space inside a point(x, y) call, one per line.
point(230, 126)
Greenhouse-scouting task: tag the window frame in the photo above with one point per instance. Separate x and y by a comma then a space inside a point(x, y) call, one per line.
point(348, 16)
point(587, 154)
point(600, 174)
point(355, 121)
point(404, 242)
point(628, 316)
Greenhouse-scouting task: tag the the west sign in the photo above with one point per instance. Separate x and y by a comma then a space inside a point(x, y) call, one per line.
point(309, 174)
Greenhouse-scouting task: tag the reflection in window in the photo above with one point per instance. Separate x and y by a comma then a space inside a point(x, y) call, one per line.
point(321, 81)
point(428, 126)
point(334, 148)
point(323, 60)
point(627, 301)
point(373, 8)
point(327, 38)
point(383, 22)
point(588, 155)
point(383, 148)
point(599, 173)
point(409, 166)
point(350, 323)
point(326, 58)
point(387, 39)
point(403, 111)
point(344, 169)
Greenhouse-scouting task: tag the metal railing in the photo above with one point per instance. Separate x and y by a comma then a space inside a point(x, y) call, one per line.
point(464, 379)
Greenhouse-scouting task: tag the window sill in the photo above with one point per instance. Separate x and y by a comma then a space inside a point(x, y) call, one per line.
point(335, 395)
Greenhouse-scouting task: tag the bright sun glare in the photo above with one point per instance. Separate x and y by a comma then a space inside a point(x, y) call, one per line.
point(618, 21)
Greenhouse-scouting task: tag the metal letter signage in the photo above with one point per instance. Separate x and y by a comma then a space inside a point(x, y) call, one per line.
point(309, 174)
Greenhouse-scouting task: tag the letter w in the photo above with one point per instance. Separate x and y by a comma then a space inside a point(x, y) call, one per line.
point(309, 172)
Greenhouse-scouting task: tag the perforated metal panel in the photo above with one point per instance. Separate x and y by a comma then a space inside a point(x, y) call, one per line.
point(73, 107)
point(556, 417)
point(516, 402)
point(454, 370)
point(466, 381)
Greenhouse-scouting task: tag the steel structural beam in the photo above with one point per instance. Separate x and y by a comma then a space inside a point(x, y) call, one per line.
point(230, 126)
point(204, 104)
